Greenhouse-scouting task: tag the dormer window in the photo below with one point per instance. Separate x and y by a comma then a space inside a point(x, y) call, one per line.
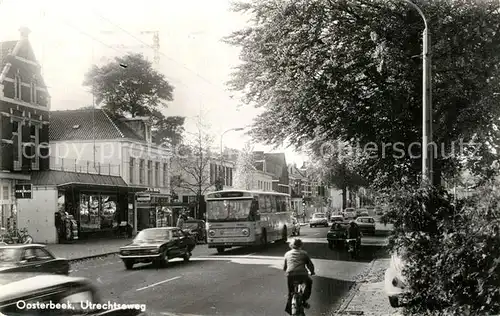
point(17, 87)
point(33, 91)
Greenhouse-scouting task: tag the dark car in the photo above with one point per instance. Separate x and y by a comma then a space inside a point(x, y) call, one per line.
point(197, 229)
point(337, 235)
point(31, 258)
point(158, 245)
point(75, 296)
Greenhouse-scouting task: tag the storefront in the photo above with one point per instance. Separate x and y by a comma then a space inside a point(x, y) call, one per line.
point(97, 207)
point(8, 211)
point(152, 210)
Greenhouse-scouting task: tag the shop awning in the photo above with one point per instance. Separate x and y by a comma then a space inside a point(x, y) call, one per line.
point(63, 179)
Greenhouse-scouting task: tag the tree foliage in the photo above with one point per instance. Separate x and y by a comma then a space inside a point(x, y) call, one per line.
point(129, 86)
point(169, 130)
point(350, 70)
point(244, 169)
point(450, 250)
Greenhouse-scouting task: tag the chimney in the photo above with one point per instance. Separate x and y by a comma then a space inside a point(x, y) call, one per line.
point(25, 32)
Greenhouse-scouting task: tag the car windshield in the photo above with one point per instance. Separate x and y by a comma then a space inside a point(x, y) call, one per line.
point(319, 216)
point(153, 235)
point(228, 209)
point(366, 220)
point(8, 255)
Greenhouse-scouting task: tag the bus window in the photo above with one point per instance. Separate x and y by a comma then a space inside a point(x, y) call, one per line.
point(279, 207)
point(254, 210)
point(262, 204)
point(269, 207)
point(273, 203)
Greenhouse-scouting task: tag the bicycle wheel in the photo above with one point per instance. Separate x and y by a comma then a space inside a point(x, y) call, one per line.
point(26, 239)
point(297, 308)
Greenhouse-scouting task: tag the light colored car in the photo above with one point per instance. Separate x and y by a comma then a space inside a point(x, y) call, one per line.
point(394, 282)
point(318, 219)
point(361, 212)
point(349, 213)
point(295, 227)
point(366, 224)
point(337, 219)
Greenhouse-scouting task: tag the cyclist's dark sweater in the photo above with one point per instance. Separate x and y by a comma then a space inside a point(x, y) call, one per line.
point(297, 262)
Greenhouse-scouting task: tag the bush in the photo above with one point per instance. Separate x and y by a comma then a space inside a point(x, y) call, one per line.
point(452, 251)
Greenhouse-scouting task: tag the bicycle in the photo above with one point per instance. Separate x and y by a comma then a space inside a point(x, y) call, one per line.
point(297, 306)
point(16, 236)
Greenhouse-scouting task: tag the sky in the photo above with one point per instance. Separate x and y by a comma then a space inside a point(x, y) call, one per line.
point(69, 36)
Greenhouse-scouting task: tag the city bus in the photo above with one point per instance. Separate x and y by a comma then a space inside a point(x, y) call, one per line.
point(245, 218)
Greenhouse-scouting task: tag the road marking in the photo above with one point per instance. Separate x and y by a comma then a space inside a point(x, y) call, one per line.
point(158, 283)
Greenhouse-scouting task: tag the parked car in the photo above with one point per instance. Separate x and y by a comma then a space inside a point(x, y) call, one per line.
point(18, 289)
point(336, 236)
point(158, 245)
point(366, 224)
point(295, 227)
point(394, 281)
point(349, 213)
point(31, 258)
point(361, 211)
point(318, 219)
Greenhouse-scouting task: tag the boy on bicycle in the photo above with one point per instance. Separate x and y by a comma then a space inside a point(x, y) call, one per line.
point(296, 266)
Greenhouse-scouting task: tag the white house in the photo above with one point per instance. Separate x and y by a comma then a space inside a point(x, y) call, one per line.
point(119, 155)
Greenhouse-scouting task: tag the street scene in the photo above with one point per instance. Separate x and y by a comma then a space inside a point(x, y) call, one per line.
point(262, 157)
point(232, 283)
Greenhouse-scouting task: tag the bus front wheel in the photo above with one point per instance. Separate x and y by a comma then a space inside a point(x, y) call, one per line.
point(220, 249)
point(263, 239)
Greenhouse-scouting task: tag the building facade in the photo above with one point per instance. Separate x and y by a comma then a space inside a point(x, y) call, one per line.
point(95, 142)
point(275, 164)
point(24, 124)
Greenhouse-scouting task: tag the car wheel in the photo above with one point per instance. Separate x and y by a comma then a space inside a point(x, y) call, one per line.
point(393, 300)
point(162, 261)
point(187, 256)
point(220, 249)
point(298, 232)
point(330, 245)
point(129, 264)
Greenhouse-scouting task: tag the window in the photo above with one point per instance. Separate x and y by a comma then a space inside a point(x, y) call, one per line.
point(131, 169)
point(142, 171)
point(5, 190)
point(35, 141)
point(17, 144)
point(150, 172)
point(17, 87)
point(33, 91)
point(212, 173)
point(157, 174)
point(231, 177)
point(165, 175)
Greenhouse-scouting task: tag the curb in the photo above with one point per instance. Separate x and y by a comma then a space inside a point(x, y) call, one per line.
point(102, 255)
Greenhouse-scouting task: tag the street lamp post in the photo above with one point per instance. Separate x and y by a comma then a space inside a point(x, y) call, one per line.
point(221, 147)
point(427, 154)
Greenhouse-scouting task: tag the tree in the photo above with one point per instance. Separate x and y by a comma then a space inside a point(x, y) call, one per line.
point(351, 70)
point(191, 167)
point(335, 164)
point(129, 86)
point(243, 177)
point(169, 131)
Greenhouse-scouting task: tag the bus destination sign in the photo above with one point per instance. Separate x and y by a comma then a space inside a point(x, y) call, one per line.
point(229, 194)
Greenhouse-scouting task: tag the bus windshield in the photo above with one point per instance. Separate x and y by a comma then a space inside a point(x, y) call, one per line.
point(228, 209)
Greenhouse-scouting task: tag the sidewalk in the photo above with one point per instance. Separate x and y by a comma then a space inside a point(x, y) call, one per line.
point(368, 297)
point(87, 249)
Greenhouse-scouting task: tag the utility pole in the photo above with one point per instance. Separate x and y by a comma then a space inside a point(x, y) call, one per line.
point(155, 46)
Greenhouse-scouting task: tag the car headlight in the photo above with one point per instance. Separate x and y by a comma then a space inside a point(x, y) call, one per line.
point(154, 250)
point(211, 233)
point(398, 283)
point(245, 232)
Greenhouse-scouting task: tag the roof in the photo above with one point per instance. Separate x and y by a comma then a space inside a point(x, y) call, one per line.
point(88, 124)
point(54, 177)
point(5, 49)
point(13, 285)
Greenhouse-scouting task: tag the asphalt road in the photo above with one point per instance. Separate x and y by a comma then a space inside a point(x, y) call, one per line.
point(242, 281)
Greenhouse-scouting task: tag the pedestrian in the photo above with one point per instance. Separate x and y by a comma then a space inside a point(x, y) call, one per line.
point(180, 220)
